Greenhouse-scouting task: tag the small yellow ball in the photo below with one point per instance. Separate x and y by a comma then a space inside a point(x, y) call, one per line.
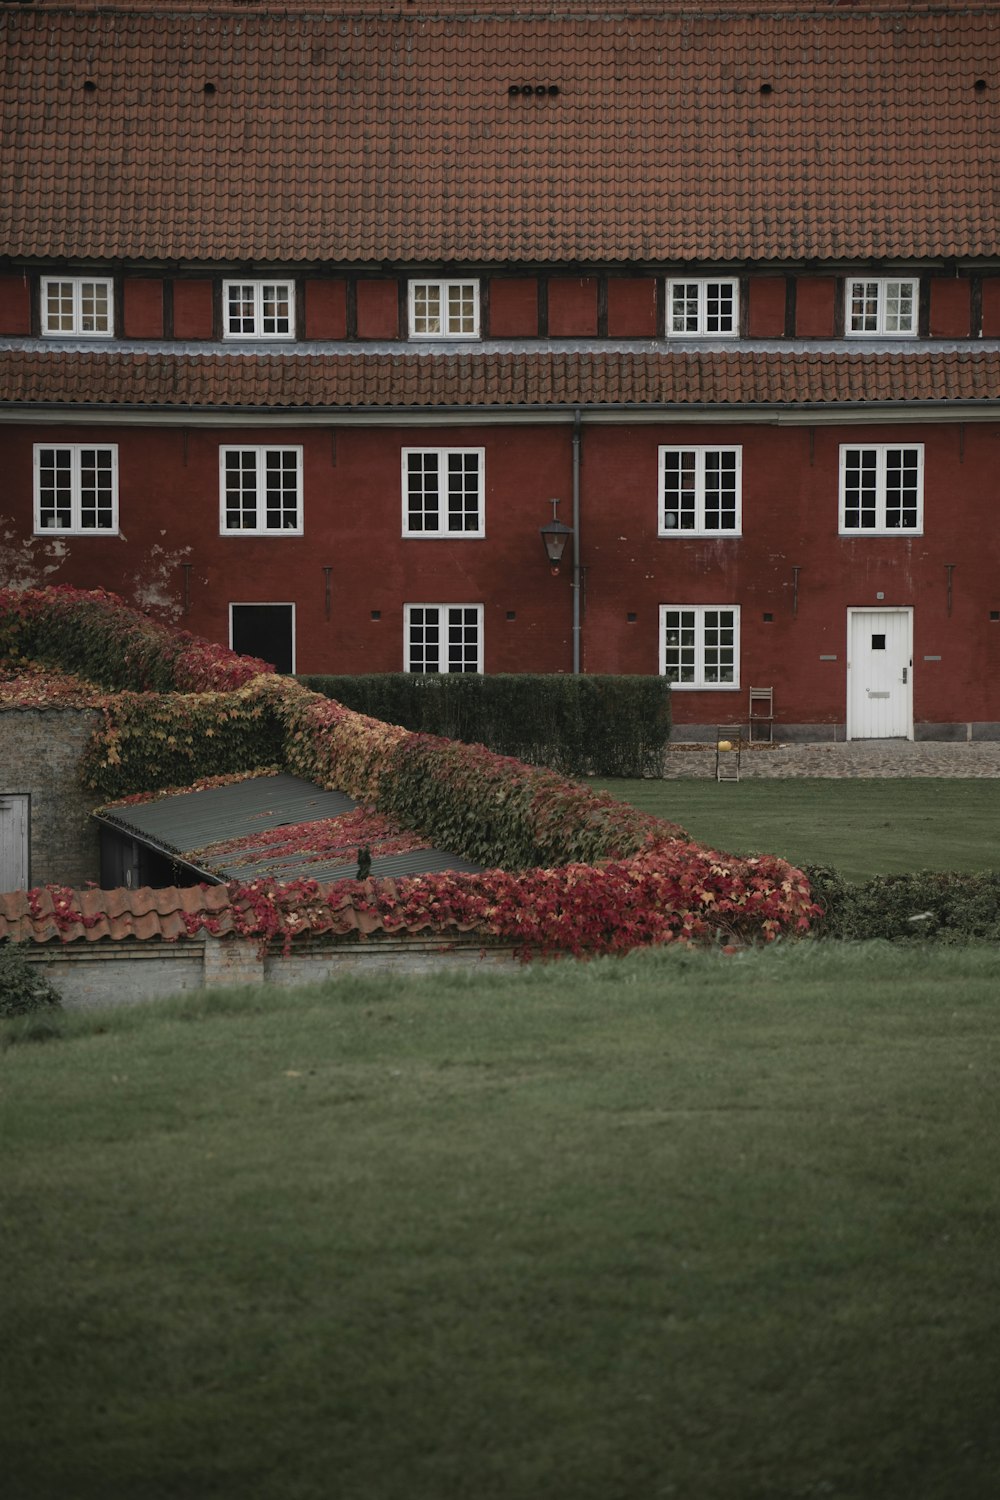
point(725, 745)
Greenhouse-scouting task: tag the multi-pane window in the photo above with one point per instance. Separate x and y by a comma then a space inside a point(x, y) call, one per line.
point(78, 305)
point(700, 491)
point(700, 645)
point(881, 305)
point(443, 638)
point(444, 309)
point(261, 491)
point(258, 309)
point(76, 488)
point(703, 307)
point(881, 489)
point(443, 492)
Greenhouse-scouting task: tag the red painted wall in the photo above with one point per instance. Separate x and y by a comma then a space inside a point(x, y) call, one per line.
point(572, 306)
point(767, 307)
point(193, 309)
point(513, 307)
point(991, 307)
point(169, 484)
point(950, 307)
point(631, 307)
point(143, 300)
point(815, 304)
point(326, 309)
point(378, 309)
point(15, 304)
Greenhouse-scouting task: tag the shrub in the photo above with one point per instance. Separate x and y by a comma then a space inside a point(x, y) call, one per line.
point(943, 907)
point(23, 990)
point(611, 726)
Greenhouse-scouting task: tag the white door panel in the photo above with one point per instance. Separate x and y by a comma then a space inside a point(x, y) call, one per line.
point(879, 674)
point(13, 842)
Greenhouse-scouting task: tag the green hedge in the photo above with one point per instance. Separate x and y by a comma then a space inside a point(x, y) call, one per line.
point(942, 907)
point(610, 726)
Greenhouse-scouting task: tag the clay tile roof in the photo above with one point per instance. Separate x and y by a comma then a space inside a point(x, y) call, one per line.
point(493, 380)
point(48, 914)
point(318, 134)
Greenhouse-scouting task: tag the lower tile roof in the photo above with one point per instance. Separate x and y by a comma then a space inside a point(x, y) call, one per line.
point(493, 380)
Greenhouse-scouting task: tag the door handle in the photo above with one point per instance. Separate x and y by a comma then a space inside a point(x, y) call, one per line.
point(904, 673)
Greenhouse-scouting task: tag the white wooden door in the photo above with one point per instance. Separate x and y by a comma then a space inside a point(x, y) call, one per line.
point(13, 842)
point(880, 674)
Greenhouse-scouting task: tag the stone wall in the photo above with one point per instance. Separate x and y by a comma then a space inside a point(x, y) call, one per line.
point(40, 752)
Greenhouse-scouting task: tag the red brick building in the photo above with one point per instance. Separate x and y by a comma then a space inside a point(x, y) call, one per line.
point(307, 314)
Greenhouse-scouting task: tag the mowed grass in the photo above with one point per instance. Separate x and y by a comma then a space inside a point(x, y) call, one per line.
point(862, 827)
point(678, 1225)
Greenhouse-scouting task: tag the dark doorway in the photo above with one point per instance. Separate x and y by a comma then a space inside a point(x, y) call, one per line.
point(265, 630)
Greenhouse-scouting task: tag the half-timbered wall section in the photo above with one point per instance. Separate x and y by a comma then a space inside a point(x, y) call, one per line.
point(307, 315)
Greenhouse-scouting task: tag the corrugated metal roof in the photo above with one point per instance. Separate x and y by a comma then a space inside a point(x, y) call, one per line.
point(187, 822)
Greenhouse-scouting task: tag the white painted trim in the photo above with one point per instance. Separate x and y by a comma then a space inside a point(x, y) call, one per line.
point(881, 450)
point(76, 282)
point(700, 451)
point(260, 449)
point(263, 604)
point(258, 284)
point(701, 686)
point(703, 283)
point(442, 533)
point(879, 332)
point(444, 286)
point(450, 604)
point(76, 491)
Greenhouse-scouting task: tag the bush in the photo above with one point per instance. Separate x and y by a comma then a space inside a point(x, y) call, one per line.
point(942, 907)
point(23, 990)
point(608, 726)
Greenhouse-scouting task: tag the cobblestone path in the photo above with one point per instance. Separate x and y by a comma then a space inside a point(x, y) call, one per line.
point(865, 758)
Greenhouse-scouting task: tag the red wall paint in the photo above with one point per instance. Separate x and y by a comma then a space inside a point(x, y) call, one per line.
point(378, 309)
point(326, 309)
point(991, 307)
point(631, 307)
point(193, 310)
point(767, 307)
point(950, 307)
point(815, 303)
point(572, 306)
point(170, 516)
point(15, 304)
point(143, 299)
point(514, 307)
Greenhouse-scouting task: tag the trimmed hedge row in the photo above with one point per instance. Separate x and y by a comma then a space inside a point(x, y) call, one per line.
point(927, 905)
point(610, 726)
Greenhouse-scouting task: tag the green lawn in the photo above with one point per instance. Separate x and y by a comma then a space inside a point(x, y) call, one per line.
point(862, 828)
point(678, 1225)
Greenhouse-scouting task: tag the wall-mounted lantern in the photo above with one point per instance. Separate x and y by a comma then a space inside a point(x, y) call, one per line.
point(555, 535)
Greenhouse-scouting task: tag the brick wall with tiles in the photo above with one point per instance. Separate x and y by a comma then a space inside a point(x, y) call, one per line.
point(40, 752)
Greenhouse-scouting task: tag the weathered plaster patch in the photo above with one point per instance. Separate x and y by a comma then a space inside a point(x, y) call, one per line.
point(27, 562)
point(158, 585)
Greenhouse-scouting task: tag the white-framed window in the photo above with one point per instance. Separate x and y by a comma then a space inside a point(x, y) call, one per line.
point(702, 306)
point(881, 489)
point(83, 306)
point(700, 645)
point(258, 310)
point(443, 637)
point(444, 309)
point(701, 491)
point(260, 491)
point(885, 305)
point(443, 492)
point(76, 488)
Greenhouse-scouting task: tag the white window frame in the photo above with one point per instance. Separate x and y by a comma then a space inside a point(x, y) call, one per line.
point(258, 285)
point(881, 451)
point(702, 330)
point(701, 622)
point(261, 450)
point(443, 529)
point(77, 311)
point(881, 315)
point(444, 289)
point(408, 621)
point(76, 526)
point(701, 453)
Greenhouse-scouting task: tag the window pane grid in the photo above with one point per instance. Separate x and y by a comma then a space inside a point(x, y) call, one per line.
point(442, 492)
point(443, 638)
point(79, 306)
point(882, 489)
point(703, 307)
point(700, 646)
point(261, 490)
point(258, 309)
point(701, 491)
point(444, 309)
point(882, 306)
point(422, 492)
point(75, 489)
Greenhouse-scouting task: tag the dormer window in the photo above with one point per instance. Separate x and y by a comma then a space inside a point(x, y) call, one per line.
point(444, 309)
point(882, 305)
point(81, 306)
point(703, 307)
point(258, 310)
